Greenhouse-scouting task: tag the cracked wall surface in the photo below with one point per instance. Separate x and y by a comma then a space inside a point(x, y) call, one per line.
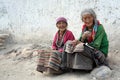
point(34, 20)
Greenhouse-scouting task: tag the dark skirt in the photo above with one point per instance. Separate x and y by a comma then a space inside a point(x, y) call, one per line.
point(86, 60)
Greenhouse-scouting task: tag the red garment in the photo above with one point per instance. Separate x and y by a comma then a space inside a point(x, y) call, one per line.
point(67, 36)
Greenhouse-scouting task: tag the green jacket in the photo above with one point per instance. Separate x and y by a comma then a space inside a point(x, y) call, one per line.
point(100, 42)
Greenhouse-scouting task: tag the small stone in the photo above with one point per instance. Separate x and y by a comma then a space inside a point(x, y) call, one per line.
point(3, 36)
point(1, 44)
point(32, 74)
point(26, 52)
point(35, 53)
point(2, 40)
point(1, 47)
point(101, 73)
point(13, 54)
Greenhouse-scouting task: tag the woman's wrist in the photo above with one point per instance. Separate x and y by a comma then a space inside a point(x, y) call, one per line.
point(78, 42)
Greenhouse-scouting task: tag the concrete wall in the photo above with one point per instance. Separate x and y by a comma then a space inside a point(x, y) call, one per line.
point(34, 20)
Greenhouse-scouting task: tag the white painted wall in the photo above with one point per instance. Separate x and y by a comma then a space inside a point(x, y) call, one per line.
point(34, 20)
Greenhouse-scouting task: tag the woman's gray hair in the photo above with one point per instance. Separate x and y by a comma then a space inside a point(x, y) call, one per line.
point(89, 11)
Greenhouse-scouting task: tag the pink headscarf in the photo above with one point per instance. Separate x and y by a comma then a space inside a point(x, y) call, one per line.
point(61, 19)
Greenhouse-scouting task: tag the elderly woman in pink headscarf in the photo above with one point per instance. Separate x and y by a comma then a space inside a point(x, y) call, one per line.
point(62, 35)
point(51, 61)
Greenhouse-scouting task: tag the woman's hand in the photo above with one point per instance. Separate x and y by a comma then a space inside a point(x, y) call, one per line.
point(60, 50)
point(85, 35)
point(75, 42)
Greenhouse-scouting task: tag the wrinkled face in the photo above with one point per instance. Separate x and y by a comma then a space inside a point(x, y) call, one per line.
point(61, 25)
point(88, 19)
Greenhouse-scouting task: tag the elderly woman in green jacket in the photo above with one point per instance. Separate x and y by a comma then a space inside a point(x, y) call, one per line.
point(94, 41)
point(93, 32)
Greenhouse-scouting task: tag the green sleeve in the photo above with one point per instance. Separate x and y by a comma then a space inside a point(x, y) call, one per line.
point(98, 37)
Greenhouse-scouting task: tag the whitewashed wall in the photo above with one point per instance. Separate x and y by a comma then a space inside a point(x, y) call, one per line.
point(34, 20)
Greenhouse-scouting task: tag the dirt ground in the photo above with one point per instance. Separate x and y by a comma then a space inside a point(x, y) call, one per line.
point(19, 63)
